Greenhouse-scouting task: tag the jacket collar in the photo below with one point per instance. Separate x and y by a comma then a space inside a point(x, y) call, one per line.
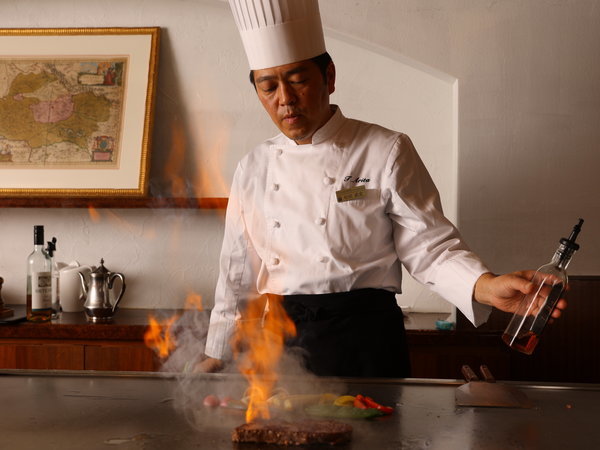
point(327, 131)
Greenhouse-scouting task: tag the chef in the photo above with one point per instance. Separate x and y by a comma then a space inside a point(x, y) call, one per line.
point(326, 212)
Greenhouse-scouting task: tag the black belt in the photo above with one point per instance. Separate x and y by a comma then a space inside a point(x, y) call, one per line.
point(309, 307)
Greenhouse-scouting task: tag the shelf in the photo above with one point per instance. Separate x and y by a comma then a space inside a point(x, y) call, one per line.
point(113, 202)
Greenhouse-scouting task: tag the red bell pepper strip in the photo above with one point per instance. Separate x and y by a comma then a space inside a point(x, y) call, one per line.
point(359, 402)
point(373, 404)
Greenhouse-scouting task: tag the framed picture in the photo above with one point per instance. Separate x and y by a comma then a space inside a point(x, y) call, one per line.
point(76, 111)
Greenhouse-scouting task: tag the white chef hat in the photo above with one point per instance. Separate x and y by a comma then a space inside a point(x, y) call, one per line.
point(277, 32)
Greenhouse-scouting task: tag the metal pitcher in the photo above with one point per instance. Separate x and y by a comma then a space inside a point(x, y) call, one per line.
point(97, 306)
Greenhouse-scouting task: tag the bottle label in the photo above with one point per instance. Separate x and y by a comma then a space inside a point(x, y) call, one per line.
point(41, 290)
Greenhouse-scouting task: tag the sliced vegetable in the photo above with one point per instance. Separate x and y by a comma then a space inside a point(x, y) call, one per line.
point(211, 401)
point(341, 412)
point(344, 400)
point(359, 402)
point(290, 402)
point(248, 394)
point(230, 402)
point(295, 401)
point(277, 399)
point(373, 404)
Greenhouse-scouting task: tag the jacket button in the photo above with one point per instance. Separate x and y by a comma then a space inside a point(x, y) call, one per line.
point(278, 152)
point(275, 187)
point(328, 180)
point(276, 224)
point(320, 221)
point(274, 261)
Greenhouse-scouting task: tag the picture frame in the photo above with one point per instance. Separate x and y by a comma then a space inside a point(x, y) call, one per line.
point(76, 112)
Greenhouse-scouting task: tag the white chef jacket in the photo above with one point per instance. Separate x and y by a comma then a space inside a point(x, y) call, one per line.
point(286, 233)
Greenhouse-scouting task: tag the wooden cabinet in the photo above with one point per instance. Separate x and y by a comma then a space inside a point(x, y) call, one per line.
point(441, 354)
point(73, 344)
point(31, 354)
point(120, 356)
point(113, 356)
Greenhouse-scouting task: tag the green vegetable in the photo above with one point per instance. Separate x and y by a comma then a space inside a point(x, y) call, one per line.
point(341, 412)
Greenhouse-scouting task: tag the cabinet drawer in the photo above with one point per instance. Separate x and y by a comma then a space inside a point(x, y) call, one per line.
point(132, 356)
point(41, 356)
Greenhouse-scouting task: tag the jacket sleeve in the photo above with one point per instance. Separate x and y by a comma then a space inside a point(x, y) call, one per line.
point(427, 243)
point(238, 266)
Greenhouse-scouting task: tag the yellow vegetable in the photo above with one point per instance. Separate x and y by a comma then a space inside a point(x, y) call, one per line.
point(344, 400)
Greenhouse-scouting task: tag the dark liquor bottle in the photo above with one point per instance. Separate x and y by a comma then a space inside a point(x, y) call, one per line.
point(39, 280)
point(528, 322)
point(50, 250)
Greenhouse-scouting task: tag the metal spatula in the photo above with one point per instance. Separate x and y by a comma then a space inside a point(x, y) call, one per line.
point(488, 393)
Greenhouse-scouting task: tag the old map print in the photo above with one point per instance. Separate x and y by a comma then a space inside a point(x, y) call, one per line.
point(61, 113)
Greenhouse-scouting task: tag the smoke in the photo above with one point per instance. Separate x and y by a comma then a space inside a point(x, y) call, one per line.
point(189, 332)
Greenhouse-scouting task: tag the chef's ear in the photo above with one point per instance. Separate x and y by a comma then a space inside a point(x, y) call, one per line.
point(331, 77)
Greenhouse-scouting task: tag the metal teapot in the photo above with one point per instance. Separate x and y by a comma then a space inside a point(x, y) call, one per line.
point(97, 306)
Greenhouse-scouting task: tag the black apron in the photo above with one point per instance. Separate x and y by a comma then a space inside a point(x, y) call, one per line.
point(350, 334)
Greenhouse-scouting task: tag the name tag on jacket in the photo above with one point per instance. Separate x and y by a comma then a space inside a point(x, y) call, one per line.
point(353, 193)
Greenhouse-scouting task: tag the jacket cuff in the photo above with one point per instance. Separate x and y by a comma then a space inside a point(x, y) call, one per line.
point(455, 281)
point(219, 336)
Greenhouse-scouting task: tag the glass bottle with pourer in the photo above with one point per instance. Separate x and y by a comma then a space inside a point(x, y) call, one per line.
point(528, 322)
point(50, 250)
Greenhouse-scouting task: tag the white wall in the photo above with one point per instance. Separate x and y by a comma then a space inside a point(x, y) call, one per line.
point(529, 109)
point(529, 113)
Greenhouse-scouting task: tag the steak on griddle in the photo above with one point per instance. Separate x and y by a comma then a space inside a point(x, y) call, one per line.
point(293, 433)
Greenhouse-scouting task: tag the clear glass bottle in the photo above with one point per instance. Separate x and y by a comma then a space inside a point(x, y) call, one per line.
point(528, 322)
point(39, 280)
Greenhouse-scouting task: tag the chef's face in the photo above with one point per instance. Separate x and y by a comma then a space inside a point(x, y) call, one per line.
point(296, 96)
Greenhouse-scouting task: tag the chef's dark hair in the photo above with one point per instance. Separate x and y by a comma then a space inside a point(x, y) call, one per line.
point(322, 61)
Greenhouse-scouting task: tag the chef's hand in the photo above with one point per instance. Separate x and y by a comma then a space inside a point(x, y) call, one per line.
point(505, 292)
point(209, 365)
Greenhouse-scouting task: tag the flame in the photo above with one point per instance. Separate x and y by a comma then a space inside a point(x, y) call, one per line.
point(94, 214)
point(209, 174)
point(175, 163)
point(258, 344)
point(120, 222)
point(187, 172)
point(194, 301)
point(159, 337)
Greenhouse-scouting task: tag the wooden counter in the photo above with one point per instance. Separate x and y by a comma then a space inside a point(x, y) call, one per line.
point(70, 343)
point(128, 324)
